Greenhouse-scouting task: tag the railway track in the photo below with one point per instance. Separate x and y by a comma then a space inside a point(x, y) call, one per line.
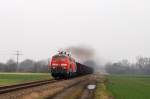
point(47, 89)
point(11, 88)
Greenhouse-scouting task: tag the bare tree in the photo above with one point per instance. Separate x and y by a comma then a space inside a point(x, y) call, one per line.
point(142, 66)
point(11, 66)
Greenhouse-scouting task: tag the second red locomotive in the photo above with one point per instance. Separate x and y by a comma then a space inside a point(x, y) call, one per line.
point(62, 65)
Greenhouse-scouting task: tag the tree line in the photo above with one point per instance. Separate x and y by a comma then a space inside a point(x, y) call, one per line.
point(27, 65)
point(141, 66)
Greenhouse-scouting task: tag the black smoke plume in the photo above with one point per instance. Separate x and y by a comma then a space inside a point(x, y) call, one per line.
point(82, 53)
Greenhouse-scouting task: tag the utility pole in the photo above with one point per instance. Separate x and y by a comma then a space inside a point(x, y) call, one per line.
point(17, 54)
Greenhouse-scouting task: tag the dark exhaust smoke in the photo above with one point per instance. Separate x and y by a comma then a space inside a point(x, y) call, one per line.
point(84, 55)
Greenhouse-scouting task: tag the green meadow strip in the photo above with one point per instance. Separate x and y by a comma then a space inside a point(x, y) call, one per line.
point(15, 78)
point(129, 86)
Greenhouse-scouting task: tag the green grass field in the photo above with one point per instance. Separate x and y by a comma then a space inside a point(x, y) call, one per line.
point(14, 78)
point(129, 87)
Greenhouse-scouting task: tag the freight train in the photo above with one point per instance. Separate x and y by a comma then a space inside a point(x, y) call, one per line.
point(62, 65)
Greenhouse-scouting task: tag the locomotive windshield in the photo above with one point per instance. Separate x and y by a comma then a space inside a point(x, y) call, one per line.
point(57, 57)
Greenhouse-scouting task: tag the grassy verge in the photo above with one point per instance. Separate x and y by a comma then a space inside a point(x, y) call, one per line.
point(129, 87)
point(14, 78)
point(101, 91)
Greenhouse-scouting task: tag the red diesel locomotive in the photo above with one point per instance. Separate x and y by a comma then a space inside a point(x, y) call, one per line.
point(62, 65)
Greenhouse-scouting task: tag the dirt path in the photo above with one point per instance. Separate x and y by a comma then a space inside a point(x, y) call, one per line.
point(72, 93)
point(89, 93)
point(79, 91)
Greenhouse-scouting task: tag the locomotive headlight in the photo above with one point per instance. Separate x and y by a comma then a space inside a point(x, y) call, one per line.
point(54, 64)
point(63, 64)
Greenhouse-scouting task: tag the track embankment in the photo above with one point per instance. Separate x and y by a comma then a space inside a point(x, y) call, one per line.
point(18, 90)
point(62, 90)
point(75, 88)
point(78, 90)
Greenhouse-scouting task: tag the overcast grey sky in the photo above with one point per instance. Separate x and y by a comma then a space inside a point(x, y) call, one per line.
point(116, 29)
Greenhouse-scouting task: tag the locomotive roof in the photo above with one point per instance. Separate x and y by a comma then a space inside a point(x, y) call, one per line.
point(58, 55)
point(62, 55)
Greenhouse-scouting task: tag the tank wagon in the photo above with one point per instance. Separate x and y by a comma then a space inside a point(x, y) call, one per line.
point(62, 65)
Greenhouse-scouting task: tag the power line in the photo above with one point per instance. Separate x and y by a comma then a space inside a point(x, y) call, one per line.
point(18, 53)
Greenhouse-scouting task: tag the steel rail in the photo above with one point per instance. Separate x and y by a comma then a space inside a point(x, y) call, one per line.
point(11, 88)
